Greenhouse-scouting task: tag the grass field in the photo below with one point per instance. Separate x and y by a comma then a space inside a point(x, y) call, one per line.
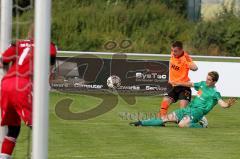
point(110, 137)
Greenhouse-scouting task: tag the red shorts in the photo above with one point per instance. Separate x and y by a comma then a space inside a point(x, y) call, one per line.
point(16, 101)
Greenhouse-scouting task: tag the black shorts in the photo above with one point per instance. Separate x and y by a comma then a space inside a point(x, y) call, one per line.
point(180, 93)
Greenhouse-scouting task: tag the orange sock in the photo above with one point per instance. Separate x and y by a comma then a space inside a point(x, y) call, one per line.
point(164, 108)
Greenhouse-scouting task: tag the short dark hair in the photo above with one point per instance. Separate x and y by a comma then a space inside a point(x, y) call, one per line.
point(214, 75)
point(178, 44)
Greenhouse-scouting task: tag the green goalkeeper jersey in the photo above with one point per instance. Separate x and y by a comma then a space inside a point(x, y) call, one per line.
point(207, 97)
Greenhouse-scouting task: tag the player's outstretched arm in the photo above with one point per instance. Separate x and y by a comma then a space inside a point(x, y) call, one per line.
point(228, 103)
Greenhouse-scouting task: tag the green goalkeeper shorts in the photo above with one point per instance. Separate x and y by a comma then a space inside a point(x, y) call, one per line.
point(194, 114)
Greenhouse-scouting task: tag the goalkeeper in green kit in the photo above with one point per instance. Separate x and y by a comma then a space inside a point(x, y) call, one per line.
point(207, 97)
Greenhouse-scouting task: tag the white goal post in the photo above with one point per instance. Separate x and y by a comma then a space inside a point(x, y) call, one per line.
point(41, 69)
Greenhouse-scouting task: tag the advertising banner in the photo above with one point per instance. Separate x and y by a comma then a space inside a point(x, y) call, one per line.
point(90, 73)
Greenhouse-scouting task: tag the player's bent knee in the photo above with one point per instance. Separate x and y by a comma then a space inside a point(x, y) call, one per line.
point(183, 103)
point(168, 100)
point(13, 131)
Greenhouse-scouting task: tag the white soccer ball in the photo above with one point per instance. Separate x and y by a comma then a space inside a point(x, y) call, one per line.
point(113, 81)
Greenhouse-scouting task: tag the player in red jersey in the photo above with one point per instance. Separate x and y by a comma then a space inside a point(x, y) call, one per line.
point(16, 89)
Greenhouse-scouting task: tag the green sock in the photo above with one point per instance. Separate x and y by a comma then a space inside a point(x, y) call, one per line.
point(195, 125)
point(152, 122)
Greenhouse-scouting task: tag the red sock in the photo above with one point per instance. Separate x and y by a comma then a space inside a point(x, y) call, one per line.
point(8, 145)
point(164, 108)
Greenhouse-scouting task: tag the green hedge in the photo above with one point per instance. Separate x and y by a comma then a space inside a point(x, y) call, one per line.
point(220, 36)
point(151, 26)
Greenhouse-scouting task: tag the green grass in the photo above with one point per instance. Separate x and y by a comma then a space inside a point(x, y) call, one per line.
point(110, 137)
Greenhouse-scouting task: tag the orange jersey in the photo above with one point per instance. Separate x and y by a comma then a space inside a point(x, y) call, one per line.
point(179, 68)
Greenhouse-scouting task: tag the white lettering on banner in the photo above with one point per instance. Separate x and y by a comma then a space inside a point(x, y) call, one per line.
point(88, 86)
point(143, 76)
point(155, 88)
point(129, 87)
point(76, 85)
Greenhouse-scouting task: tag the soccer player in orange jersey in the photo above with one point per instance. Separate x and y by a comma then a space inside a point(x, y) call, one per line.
point(180, 64)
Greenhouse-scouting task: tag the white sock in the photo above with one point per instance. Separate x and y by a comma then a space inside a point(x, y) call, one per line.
point(4, 156)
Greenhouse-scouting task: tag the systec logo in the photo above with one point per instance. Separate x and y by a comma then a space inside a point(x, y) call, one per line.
point(149, 77)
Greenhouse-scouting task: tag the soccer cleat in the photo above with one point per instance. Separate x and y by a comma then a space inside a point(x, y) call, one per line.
point(204, 122)
point(136, 123)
